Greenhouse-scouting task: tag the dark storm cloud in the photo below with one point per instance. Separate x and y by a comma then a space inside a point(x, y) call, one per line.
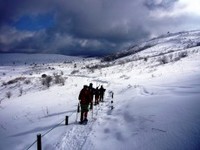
point(86, 27)
point(160, 4)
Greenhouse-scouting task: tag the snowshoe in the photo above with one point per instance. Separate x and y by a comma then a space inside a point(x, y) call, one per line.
point(85, 121)
point(80, 122)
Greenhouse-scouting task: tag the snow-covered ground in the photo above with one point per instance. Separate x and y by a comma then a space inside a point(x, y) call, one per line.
point(156, 101)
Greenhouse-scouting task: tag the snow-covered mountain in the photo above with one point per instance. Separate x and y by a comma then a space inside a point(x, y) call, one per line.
point(156, 87)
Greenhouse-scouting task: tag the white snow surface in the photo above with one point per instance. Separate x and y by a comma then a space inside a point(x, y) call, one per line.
point(156, 105)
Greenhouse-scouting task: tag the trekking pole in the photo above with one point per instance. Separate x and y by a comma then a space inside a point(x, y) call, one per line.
point(92, 112)
point(78, 110)
point(92, 108)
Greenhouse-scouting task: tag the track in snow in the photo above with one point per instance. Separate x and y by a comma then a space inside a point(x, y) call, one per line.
point(76, 134)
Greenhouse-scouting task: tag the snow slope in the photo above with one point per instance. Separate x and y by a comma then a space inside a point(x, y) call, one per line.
point(156, 103)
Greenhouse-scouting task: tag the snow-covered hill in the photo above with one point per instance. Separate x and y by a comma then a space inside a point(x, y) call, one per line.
point(174, 43)
point(156, 98)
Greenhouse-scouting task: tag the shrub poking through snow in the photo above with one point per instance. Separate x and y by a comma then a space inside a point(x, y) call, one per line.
point(56, 79)
point(164, 60)
point(74, 71)
point(59, 79)
point(20, 92)
point(183, 54)
point(47, 81)
point(15, 80)
point(44, 76)
point(8, 94)
point(27, 82)
point(4, 83)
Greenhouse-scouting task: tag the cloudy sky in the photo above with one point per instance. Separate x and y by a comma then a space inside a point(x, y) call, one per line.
point(90, 27)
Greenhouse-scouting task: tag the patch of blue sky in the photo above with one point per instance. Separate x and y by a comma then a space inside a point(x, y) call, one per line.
point(34, 23)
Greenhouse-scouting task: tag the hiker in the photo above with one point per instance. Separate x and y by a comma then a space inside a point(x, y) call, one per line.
point(97, 94)
point(102, 91)
point(92, 92)
point(84, 98)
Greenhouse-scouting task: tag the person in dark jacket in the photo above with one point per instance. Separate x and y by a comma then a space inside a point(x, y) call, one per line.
point(92, 92)
point(102, 91)
point(85, 100)
point(97, 94)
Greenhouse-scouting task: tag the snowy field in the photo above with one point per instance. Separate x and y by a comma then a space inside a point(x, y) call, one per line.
point(156, 101)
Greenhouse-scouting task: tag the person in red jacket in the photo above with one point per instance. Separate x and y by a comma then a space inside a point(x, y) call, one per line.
point(85, 100)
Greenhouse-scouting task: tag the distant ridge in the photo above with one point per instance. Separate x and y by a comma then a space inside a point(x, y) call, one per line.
point(21, 58)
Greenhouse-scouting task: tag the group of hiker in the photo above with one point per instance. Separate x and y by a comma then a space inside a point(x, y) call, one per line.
point(88, 97)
